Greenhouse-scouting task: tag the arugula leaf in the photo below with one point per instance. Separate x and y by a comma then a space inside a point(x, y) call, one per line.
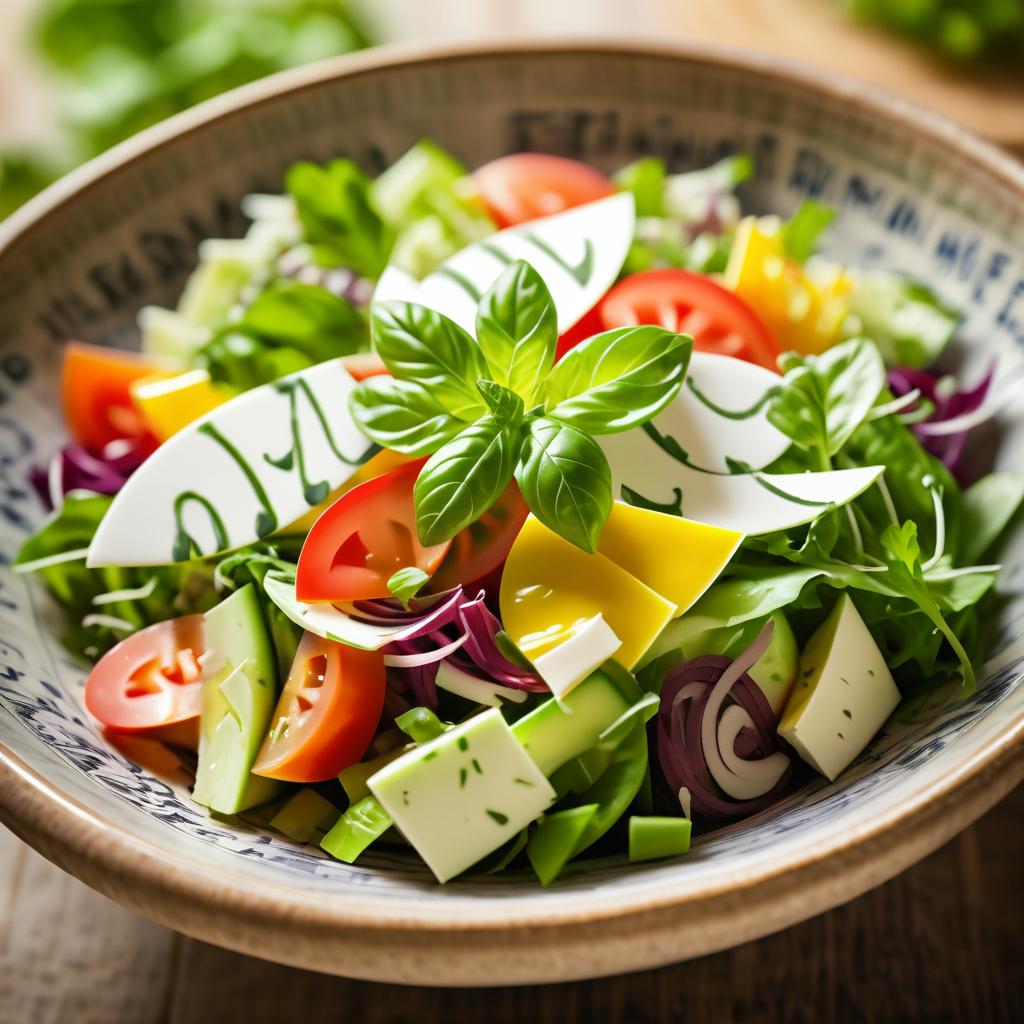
point(565, 480)
point(422, 345)
point(908, 322)
point(517, 329)
point(463, 480)
point(402, 415)
point(339, 218)
point(801, 232)
point(406, 583)
point(822, 399)
point(506, 406)
point(986, 509)
point(742, 599)
point(618, 379)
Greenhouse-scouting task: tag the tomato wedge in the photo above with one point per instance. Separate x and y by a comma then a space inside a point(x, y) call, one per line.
point(587, 326)
point(150, 680)
point(366, 536)
point(95, 389)
point(525, 186)
point(719, 321)
point(327, 712)
point(365, 364)
point(482, 546)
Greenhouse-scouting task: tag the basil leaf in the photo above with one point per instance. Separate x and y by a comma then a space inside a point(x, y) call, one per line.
point(425, 346)
point(338, 216)
point(566, 481)
point(823, 399)
point(618, 379)
point(463, 480)
point(517, 329)
point(401, 415)
point(801, 232)
point(506, 406)
point(988, 506)
point(406, 583)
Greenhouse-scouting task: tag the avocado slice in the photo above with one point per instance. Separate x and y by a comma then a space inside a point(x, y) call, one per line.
point(238, 700)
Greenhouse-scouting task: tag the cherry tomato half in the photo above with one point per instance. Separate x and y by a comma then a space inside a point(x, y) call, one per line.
point(151, 679)
point(327, 713)
point(525, 186)
point(366, 536)
point(365, 364)
point(95, 389)
point(719, 321)
point(482, 546)
point(588, 325)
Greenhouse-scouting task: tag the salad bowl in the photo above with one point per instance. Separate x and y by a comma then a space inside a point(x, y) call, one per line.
point(913, 192)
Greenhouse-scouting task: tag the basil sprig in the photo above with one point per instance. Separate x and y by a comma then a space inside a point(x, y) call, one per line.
point(497, 408)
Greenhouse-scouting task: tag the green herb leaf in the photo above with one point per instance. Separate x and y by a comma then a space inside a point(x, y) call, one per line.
point(338, 216)
point(401, 415)
point(424, 346)
point(505, 405)
point(646, 180)
point(987, 508)
point(517, 329)
point(801, 232)
point(565, 480)
point(463, 479)
point(618, 379)
point(407, 582)
point(823, 399)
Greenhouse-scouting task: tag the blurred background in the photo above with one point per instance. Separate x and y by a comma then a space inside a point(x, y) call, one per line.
point(77, 76)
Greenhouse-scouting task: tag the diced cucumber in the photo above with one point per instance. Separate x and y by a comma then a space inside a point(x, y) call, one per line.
point(305, 813)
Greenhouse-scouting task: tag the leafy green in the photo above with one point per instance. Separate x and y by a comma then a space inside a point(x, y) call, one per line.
point(492, 409)
point(160, 592)
point(822, 399)
point(421, 725)
point(402, 415)
point(646, 180)
point(619, 379)
point(422, 345)
point(801, 232)
point(516, 328)
point(339, 218)
point(462, 480)
point(565, 480)
point(908, 322)
point(406, 583)
point(986, 509)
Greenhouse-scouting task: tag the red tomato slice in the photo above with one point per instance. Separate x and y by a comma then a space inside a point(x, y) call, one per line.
point(587, 326)
point(719, 321)
point(361, 540)
point(526, 186)
point(96, 397)
point(327, 713)
point(150, 680)
point(365, 364)
point(482, 546)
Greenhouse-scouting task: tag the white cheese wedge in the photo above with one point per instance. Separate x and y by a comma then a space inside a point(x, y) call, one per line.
point(461, 796)
point(564, 667)
point(578, 253)
point(843, 696)
point(237, 474)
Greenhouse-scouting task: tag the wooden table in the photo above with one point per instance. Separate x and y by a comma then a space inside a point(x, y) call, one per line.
point(942, 942)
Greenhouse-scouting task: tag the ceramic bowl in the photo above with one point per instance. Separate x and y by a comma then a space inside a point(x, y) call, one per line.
point(914, 193)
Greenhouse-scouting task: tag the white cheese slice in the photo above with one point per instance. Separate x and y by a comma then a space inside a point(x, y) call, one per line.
point(843, 696)
point(578, 253)
point(564, 667)
point(237, 474)
point(658, 474)
point(721, 414)
point(464, 794)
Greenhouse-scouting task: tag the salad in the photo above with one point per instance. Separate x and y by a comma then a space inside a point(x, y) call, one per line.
point(521, 517)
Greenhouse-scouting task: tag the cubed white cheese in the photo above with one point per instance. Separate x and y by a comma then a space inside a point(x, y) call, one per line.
point(843, 695)
point(566, 666)
point(461, 796)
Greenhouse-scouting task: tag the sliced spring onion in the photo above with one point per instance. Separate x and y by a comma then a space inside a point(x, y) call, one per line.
point(78, 555)
point(651, 838)
point(135, 594)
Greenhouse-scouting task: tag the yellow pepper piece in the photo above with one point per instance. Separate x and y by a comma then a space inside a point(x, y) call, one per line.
point(168, 403)
point(678, 558)
point(803, 307)
point(549, 588)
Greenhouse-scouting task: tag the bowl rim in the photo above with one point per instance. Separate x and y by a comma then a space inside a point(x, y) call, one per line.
point(138, 872)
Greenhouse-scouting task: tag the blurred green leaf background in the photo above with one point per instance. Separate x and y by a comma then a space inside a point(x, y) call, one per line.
point(122, 65)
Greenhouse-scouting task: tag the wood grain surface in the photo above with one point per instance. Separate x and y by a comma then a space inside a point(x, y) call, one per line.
point(942, 942)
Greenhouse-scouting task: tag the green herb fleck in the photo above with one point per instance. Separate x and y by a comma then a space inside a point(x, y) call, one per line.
point(501, 819)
